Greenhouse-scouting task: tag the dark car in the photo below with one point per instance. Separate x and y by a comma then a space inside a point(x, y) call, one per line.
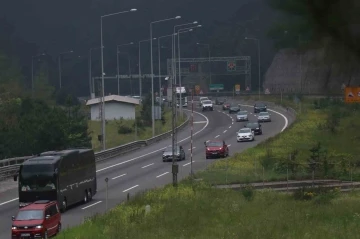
point(216, 148)
point(260, 107)
point(234, 108)
point(41, 219)
point(255, 126)
point(168, 152)
point(220, 101)
point(226, 106)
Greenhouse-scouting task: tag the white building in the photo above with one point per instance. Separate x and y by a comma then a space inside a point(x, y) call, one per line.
point(116, 107)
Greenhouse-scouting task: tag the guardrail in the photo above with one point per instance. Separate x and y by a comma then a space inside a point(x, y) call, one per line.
point(8, 167)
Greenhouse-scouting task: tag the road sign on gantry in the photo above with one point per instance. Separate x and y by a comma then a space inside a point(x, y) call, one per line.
point(352, 94)
point(231, 65)
point(237, 89)
point(216, 87)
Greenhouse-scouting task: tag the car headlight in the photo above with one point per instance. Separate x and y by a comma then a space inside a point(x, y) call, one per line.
point(14, 228)
point(39, 227)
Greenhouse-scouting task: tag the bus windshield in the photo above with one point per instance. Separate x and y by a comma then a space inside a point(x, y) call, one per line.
point(37, 177)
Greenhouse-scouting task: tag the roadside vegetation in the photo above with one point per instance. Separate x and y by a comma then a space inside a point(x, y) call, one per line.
point(199, 211)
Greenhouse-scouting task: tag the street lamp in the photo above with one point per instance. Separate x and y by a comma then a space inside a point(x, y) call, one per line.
point(63, 53)
point(140, 80)
point(152, 71)
point(258, 45)
point(189, 29)
point(208, 46)
point(129, 70)
point(91, 83)
point(32, 72)
point(117, 63)
point(102, 75)
point(173, 55)
point(159, 56)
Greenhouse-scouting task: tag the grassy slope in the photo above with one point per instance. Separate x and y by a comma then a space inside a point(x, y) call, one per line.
point(114, 139)
point(200, 211)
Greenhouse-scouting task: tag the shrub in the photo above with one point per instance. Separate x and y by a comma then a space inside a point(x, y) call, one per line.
point(320, 195)
point(248, 192)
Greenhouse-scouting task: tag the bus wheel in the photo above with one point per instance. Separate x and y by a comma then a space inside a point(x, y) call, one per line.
point(64, 205)
point(89, 195)
point(85, 196)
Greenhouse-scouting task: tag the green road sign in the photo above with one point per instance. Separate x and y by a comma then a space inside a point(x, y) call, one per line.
point(216, 87)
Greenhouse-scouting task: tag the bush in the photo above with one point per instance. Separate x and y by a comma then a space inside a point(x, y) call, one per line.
point(248, 192)
point(320, 195)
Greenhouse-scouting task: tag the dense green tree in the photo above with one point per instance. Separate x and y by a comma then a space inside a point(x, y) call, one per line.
point(42, 88)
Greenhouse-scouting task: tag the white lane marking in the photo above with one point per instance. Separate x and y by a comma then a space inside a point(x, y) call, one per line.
point(229, 145)
point(229, 127)
point(276, 112)
point(122, 175)
point(193, 148)
point(188, 164)
point(217, 136)
point(200, 122)
point(225, 131)
point(207, 141)
point(91, 205)
point(232, 123)
point(161, 175)
point(3, 203)
point(158, 150)
point(130, 188)
point(147, 165)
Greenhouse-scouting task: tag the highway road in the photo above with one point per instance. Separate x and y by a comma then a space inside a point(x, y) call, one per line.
point(143, 169)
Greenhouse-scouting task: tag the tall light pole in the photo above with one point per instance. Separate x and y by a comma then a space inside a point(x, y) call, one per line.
point(173, 55)
point(117, 64)
point(208, 46)
point(103, 131)
point(159, 56)
point(259, 57)
point(32, 72)
point(140, 80)
point(59, 61)
point(180, 31)
point(129, 67)
point(152, 71)
point(92, 89)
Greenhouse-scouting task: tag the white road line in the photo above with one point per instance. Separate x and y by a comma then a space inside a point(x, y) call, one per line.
point(225, 131)
point(91, 205)
point(188, 164)
point(217, 136)
point(229, 145)
point(161, 175)
point(207, 141)
point(200, 122)
point(130, 188)
point(3, 203)
point(158, 150)
point(122, 175)
point(147, 165)
point(229, 127)
point(193, 148)
point(232, 123)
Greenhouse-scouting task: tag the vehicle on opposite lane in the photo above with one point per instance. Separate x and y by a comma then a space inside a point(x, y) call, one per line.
point(40, 219)
point(179, 154)
point(245, 134)
point(220, 101)
point(234, 108)
point(264, 117)
point(216, 148)
point(242, 116)
point(255, 126)
point(226, 106)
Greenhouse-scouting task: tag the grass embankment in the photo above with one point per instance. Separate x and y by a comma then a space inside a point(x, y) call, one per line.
point(203, 212)
point(114, 138)
point(332, 124)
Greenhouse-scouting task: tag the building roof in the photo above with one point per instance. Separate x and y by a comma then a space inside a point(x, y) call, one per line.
point(118, 98)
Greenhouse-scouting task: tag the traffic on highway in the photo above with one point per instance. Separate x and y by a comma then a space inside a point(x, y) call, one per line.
point(216, 136)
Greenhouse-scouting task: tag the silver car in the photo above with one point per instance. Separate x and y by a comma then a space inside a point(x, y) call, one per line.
point(242, 116)
point(264, 117)
point(168, 153)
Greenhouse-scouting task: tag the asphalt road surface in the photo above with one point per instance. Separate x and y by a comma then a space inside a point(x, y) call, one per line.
point(144, 169)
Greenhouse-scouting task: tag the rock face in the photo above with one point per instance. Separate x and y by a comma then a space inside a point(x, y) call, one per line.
point(309, 73)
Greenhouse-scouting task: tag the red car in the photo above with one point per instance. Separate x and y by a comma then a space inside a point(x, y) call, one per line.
point(40, 219)
point(216, 148)
point(226, 106)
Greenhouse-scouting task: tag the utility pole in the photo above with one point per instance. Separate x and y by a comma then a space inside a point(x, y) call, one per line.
point(175, 166)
